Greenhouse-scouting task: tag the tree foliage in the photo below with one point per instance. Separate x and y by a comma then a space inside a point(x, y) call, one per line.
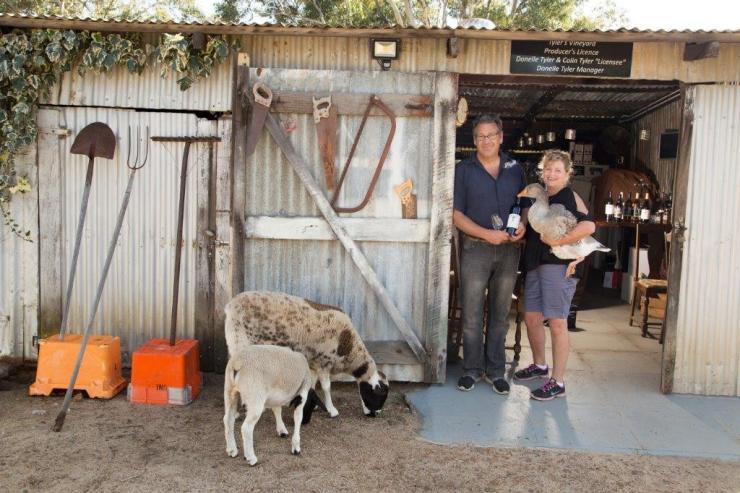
point(32, 62)
point(506, 14)
point(162, 10)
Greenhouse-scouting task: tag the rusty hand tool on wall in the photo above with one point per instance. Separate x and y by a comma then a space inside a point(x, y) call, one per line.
point(261, 105)
point(408, 199)
point(325, 117)
point(134, 167)
point(95, 140)
point(374, 101)
point(180, 217)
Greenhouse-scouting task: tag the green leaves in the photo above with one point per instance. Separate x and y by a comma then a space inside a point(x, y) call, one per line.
point(176, 53)
point(32, 62)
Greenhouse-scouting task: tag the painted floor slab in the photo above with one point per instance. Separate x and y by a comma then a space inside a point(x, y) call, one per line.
point(614, 404)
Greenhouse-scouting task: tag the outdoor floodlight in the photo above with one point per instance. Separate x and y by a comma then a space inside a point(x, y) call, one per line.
point(385, 50)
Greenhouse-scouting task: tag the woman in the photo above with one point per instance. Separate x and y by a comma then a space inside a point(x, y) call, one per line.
point(548, 288)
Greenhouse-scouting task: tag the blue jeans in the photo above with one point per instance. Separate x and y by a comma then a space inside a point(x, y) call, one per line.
point(482, 266)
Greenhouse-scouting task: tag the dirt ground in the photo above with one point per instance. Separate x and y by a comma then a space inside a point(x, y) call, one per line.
point(116, 446)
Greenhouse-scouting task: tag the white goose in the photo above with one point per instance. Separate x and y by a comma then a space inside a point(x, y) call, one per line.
point(555, 221)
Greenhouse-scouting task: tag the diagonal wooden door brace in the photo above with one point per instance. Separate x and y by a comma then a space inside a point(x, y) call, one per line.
point(303, 172)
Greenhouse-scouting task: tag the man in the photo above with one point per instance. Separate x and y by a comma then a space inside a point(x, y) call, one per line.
point(486, 185)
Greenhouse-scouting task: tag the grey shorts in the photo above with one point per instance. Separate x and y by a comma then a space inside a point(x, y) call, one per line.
point(547, 290)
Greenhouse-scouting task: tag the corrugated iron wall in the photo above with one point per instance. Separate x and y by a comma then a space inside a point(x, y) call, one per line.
point(137, 299)
point(19, 267)
point(655, 61)
point(708, 332)
point(477, 56)
point(648, 151)
point(323, 270)
point(121, 89)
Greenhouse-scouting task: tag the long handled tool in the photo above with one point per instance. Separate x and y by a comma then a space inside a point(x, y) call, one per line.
point(325, 117)
point(95, 140)
point(262, 101)
point(180, 218)
point(135, 166)
point(374, 101)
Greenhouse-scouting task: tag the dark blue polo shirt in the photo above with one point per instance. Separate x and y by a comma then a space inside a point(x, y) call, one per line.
point(478, 195)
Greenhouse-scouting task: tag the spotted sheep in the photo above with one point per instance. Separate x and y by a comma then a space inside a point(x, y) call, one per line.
point(323, 333)
point(267, 377)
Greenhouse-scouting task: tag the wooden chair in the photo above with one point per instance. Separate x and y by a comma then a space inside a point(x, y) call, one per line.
point(454, 311)
point(646, 289)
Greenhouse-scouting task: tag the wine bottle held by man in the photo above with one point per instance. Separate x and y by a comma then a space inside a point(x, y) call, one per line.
point(609, 208)
point(515, 217)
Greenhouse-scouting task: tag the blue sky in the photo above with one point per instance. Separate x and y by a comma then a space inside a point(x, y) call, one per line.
point(657, 14)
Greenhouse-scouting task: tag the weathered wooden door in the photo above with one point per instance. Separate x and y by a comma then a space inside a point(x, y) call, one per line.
point(291, 245)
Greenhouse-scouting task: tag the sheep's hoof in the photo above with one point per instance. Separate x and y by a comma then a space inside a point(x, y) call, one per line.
point(333, 414)
point(296, 452)
point(232, 452)
point(283, 434)
point(252, 462)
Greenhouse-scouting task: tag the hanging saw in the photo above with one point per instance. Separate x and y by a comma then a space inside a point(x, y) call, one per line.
point(325, 117)
point(262, 101)
point(374, 101)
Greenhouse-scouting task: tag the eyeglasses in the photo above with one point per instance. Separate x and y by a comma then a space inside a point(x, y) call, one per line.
point(487, 138)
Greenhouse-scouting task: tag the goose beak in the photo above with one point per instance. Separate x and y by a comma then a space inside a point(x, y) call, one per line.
point(523, 193)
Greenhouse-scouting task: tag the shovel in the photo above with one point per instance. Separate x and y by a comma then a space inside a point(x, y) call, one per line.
point(95, 140)
point(134, 167)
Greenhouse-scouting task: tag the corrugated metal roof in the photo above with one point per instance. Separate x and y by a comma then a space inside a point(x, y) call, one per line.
point(729, 35)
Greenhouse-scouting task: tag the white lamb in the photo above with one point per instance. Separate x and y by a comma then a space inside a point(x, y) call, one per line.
point(267, 376)
point(323, 333)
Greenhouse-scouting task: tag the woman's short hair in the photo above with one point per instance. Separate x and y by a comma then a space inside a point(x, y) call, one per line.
point(555, 155)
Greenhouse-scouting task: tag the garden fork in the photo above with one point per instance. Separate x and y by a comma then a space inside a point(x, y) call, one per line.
point(134, 167)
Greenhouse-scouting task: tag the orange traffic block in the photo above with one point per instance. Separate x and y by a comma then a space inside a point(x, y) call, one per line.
point(100, 371)
point(164, 374)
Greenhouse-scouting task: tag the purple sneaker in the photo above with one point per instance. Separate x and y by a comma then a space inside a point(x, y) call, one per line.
point(531, 372)
point(549, 391)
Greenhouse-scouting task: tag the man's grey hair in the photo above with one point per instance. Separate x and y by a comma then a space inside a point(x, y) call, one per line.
point(485, 118)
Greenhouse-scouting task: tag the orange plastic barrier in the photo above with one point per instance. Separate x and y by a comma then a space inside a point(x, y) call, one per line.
point(164, 374)
point(100, 372)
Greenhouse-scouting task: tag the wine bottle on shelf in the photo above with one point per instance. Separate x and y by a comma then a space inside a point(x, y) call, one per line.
point(667, 205)
point(609, 208)
point(656, 215)
point(645, 209)
point(636, 207)
point(619, 207)
point(627, 211)
point(515, 217)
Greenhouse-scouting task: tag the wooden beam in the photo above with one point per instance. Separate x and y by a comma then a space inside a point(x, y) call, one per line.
point(391, 353)
point(680, 198)
point(489, 89)
point(440, 233)
point(204, 253)
point(50, 223)
point(699, 51)
point(222, 250)
point(240, 108)
point(359, 229)
point(402, 105)
point(546, 82)
point(48, 22)
point(304, 174)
